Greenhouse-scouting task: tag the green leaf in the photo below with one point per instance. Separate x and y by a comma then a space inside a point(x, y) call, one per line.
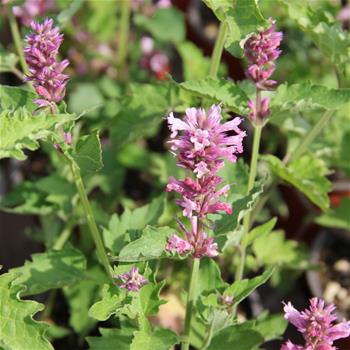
point(116, 236)
point(69, 11)
point(306, 96)
point(275, 250)
point(142, 112)
point(80, 296)
point(219, 90)
point(307, 174)
point(337, 218)
point(236, 337)
point(12, 97)
point(20, 130)
point(151, 245)
point(241, 289)
point(240, 207)
point(150, 298)
point(18, 329)
point(195, 65)
point(111, 338)
point(259, 231)
point(209, 277)
point(160, 23)
point(88, 153)
point(53, 269)
point(112, 299)
point(270, 326)
point(242, 17)
point(8, 63)
point(159, 339)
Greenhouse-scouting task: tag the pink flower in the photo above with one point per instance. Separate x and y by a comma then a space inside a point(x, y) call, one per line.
point(203, 143)
point(46, 72)
point(133, 280)
point(177, 244)
point(317, 325)
point(147, 45)
point(31, 9)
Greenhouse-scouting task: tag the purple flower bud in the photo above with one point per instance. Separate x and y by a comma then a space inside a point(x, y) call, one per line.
point(316, 324)
point(46, 72)
point(226, 300)
point(132, 280)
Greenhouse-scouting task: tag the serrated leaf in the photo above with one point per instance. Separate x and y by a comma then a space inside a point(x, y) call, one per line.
point(111, 300)
point(209, 277)
point(307, 174)
point(151, 245)
point(270, 326)
point(239, 290)
point(159, 339)
point(142, 112)
point(159, 23)
point(306, 96)
point(116, 235)
point(18, 329)
point(236, 337)
point(21, 130)
point(242, 17)
point(111, 338)
point(8, 62)
point(12, 97)
point(259, 231)
point(220, 91)
point(88, 153)
point(53, 269)
point(240, 207)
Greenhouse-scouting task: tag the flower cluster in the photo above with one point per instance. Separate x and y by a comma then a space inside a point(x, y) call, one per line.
point(201, 144)
point(46, 72)
point(154, 60)
point(316, 325)
point(132, 280)
point(262, 50)
point(31, 9)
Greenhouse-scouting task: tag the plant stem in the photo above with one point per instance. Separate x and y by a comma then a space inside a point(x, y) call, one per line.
point(209, 336)
point(217, 52)
point(63, 237)
point(252, 176)
point(123, 33)
point(18, 42)
point(309, 137)
point(101, 252)
point(189, 307)
point(49, 304)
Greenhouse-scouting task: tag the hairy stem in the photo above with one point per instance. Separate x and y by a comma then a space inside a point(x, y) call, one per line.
point(247, 218)
point(96, 236)
point(189, 307)
point(217, 52)
point(123, 33)
point(17, 41)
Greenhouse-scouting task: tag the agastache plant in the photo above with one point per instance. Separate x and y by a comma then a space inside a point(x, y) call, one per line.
point(46, 72)
point(262, 50)
point(132, 280)
point(31, 9)
point(317, 325)
point(201, 144)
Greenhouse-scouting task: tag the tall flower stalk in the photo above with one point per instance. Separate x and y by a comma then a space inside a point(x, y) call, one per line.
point(46, 73)
point(201, 144)
point(261, 50)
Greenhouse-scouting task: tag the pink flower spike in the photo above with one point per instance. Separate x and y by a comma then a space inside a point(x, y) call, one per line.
point(133, 280)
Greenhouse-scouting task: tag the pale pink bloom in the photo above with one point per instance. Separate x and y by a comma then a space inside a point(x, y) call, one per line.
point(32, 9)
point(132, 280)
point(316, 325)
point(226, 300)
point(177, 244)
point(163, 3)
point(344, 14)
point(147, 45)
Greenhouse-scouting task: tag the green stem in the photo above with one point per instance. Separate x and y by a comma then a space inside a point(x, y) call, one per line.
point(63, 237)
point(252, 176)
point(310, 137)
point(189, 307)
point(17, 41)
point(217, 52)
point(123, 33)
point(101, 252)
